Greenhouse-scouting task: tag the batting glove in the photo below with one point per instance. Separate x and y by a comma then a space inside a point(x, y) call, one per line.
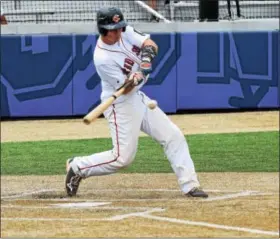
point(136, 77)
point(148, 54)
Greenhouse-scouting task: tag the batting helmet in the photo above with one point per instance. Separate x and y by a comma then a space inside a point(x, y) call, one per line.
point(110, 19)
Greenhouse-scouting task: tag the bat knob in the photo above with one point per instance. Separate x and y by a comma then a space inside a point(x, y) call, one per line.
point(86, 121)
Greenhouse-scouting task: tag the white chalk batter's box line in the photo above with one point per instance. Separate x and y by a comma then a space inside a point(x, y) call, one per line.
point(89, 205)
point(145, 214)
point(147, 211)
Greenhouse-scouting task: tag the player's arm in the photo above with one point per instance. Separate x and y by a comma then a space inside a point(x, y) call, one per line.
point(149, 48)
point(149, 51)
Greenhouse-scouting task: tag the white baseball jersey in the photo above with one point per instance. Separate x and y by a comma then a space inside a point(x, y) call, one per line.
point(114, 62)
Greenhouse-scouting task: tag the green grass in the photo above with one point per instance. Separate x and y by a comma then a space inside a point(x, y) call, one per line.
point(239, 152)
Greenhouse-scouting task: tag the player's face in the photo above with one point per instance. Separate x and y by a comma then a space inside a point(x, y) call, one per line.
point(114, 35)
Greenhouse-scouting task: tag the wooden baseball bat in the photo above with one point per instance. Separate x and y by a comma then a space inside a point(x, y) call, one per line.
point(97, 111)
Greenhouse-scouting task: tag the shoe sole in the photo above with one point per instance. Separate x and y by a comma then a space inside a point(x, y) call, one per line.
point(196, 196)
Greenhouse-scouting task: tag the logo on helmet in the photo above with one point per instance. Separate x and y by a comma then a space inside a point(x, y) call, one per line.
point(116, 18)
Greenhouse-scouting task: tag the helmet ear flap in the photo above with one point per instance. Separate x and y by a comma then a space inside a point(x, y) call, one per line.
point(102, 31)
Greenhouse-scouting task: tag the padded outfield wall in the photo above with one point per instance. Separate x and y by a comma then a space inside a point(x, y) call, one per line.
point(53, 74)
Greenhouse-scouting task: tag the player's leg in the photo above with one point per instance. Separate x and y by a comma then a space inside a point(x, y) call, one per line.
point(158, 125)
point(124, 122)
point(229, 8)
point(238, 8)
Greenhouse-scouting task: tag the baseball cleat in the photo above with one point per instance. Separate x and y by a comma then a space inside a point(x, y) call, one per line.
point(197, 192)
point(72, 181)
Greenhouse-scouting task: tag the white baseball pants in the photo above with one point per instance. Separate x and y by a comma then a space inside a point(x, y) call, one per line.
point(126, 119)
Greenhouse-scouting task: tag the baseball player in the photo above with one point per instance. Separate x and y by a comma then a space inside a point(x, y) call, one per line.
point(124, 54)
point(3, 20)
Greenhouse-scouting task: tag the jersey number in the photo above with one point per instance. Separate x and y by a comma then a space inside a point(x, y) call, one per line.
point(128, 64)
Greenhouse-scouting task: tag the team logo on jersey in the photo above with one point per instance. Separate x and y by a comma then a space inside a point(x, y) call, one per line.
point(128, 64)
point(116, 18)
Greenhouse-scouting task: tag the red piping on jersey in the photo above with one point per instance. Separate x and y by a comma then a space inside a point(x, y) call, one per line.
point(118, 145)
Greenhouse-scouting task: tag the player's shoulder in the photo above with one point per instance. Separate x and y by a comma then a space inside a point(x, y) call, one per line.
point(131, 31)
point(128, 29)
point(101, 55)
point(101, 58)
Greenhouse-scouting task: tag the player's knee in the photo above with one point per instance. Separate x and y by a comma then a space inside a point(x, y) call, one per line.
point(179, 134)
point(125, 161)
point(126, 157)
point(176, 134)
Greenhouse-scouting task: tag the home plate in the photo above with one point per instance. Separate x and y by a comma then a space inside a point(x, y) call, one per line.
point(81, 204)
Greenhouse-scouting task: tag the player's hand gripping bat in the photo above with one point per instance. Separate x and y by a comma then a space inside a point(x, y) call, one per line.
point(96, 112)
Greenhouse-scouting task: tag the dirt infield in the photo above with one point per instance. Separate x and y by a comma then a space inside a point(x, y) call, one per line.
point(134, 205)
point(137, 205)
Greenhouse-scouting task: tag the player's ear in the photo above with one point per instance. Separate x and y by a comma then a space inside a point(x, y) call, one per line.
point(124, 28)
